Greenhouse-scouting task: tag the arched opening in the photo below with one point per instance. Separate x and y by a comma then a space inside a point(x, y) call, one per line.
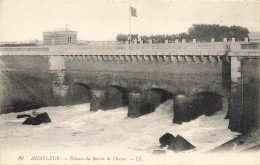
point(152, 98)
point(80, 93)
point(165, 95)
point(114, 97)
point(208, 102)
point(187, 108)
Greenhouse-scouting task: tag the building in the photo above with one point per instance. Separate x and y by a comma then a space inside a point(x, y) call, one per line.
point(254, 36)
point(59, 37)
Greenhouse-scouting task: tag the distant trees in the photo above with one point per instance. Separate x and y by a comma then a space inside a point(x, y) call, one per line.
point(156, 38)
point(240, 33)
point(17, 44)
point(204, 32)
point(122, 37)
point(201, 32)
point(183, 36)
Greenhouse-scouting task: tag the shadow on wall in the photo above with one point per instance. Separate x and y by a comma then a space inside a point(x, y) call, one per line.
point(16, 96)
point(20, 104)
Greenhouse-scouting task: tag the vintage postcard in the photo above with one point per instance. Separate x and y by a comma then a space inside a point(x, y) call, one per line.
point(129, 82)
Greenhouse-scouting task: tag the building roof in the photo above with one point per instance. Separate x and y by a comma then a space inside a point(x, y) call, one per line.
point(59, 30)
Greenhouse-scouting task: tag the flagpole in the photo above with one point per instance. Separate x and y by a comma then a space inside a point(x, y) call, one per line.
point(130, 23)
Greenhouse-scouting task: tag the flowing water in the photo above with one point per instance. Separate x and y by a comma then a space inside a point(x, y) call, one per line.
point(75, 129)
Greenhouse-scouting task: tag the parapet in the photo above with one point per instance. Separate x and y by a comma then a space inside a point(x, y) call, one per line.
point(182, 48)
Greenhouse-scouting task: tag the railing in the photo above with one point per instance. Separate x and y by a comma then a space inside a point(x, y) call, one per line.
point(194, 48)
point(134, 47)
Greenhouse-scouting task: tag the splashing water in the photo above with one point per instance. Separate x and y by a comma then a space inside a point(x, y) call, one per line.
point(76, 129)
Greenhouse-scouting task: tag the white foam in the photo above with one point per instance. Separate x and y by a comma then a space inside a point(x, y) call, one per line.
point(76, 129)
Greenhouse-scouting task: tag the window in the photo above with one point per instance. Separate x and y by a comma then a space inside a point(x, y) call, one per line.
point(69, 40)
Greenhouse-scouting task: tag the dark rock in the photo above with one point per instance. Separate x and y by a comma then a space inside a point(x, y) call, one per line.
point(159, 152)
point(29, 121)
point(41, 118)
point(180, 144)
point(22, 116)
point(227, 116)
point(166, 139)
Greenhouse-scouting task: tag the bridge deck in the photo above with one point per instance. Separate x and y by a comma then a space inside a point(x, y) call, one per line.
point(187, 49)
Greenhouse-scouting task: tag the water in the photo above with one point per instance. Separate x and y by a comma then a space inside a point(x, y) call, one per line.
point(75, 129)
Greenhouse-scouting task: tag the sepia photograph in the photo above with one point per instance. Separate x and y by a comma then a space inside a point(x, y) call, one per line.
point(129, 82)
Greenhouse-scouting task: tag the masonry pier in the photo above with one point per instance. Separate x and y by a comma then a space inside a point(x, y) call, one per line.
point(179, 107)
point(97, 97)
point(134, 104)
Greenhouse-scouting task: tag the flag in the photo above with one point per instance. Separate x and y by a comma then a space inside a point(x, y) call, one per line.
point(133, 11)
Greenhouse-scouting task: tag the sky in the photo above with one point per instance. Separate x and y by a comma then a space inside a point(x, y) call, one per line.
point(102, 20)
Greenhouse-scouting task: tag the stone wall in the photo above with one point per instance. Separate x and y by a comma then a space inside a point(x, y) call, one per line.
point(32, 77)
point(29, 82)
point(175, 77)
point(49, 79)
point(25, 83)
point(245, 96)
